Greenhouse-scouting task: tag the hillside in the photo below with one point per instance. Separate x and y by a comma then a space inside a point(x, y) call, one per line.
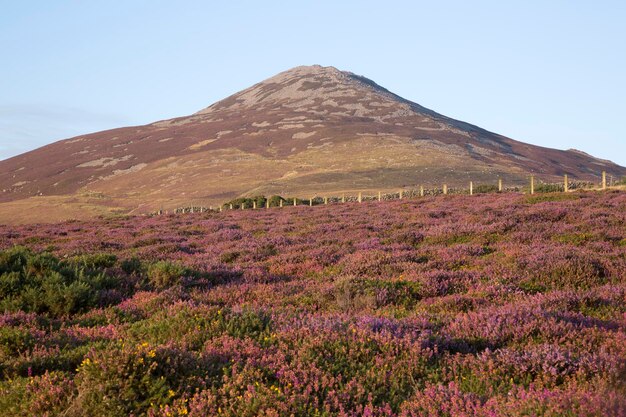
point(309, 130)
point(491, 305)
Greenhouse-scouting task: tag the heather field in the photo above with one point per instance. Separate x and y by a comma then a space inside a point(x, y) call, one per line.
point(488, 305)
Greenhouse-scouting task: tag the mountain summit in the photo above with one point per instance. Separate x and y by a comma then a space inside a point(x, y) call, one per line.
point(309, 130)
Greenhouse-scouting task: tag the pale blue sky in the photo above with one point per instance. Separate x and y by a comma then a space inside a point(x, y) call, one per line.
point(551, 73)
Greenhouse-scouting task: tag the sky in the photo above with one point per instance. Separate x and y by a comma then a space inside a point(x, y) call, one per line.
point(551, 73)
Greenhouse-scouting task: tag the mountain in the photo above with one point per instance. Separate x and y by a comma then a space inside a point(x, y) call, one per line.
point(309, 130)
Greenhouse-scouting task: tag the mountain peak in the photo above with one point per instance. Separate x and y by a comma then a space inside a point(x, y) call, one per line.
point(311, 69)
point(312, 87)
point(304, 131)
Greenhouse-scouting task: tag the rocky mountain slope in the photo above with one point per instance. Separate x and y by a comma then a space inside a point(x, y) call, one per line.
point(309, 130)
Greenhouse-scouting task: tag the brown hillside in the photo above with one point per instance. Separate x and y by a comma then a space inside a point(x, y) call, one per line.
point(304, 131)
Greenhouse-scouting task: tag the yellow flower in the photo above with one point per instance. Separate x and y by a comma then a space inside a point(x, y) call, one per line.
point(85, 362)
point(170, 393)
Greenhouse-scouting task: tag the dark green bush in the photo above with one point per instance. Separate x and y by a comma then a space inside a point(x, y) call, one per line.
point(485, 188)
point(247, 201)
point(13, 341)
point(132, 266)
point(94, 261)
point(41, 283)
point(275, 200)
point(164, 274)
point(548, 188)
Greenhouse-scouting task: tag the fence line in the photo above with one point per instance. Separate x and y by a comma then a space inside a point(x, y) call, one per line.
point(565, 186)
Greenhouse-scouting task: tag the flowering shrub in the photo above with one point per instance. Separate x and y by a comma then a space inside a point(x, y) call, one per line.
point(485, 305)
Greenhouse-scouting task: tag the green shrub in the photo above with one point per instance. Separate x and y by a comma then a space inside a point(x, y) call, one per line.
point(13, 341)
point(548, 188)
point(127, 379)
point(41, 283)
point(534, 199)
point(351, 294)
point(194, 326)
point(247, 324)
point(165, 274)
point(248, 202)
point(132, 266)
point(275, 200)
point(94, 261)
point(485, 188)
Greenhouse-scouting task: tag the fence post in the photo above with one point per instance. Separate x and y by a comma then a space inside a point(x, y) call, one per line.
point(295, 201)
point(360, 198)
point(280, 202)
point(499, 185)
point(380, 196)
point(471, 188)
point(231, 206)
point(325, 200)
point(343, 198)
point(311, 202)
point(243, 205)
point(400, 194)
point(445, 189)
point(604, 180)
point(421, 191)
point(254, 205)
point(532, 184)
point(565, 183)
point(267, 203)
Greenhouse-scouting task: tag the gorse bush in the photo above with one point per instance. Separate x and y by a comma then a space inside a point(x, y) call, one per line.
point(164, 274)
point(41, 283)
point(131, 379)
